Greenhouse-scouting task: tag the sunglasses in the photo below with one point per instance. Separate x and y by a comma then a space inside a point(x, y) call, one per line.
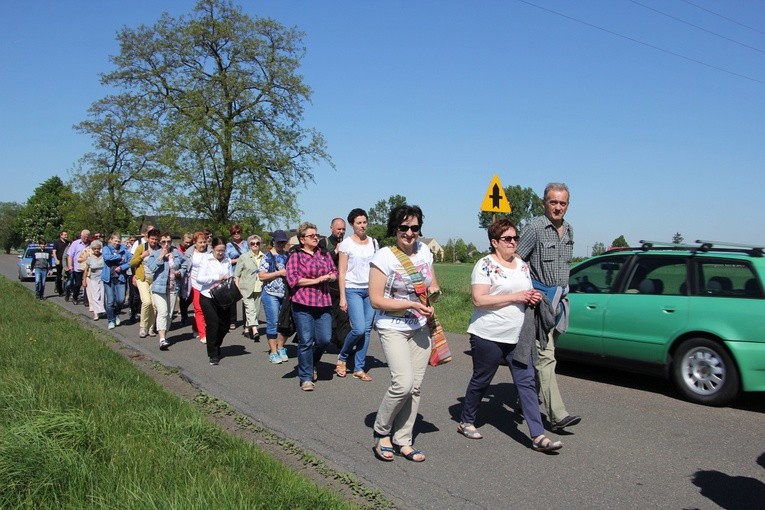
point(509, 239)
point(413, 228)
point(312, 236)
point(255, 243)
point(165, 241)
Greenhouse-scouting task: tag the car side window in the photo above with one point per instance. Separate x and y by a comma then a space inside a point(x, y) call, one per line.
point(665, 276)
point(599, 276)
point(731, 278)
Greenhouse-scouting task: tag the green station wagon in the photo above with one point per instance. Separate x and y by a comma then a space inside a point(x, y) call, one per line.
point(693, 314)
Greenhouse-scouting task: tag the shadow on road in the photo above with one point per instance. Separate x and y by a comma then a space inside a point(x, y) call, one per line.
point(732, 492)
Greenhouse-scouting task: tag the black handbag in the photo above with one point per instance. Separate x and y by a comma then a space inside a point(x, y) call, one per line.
point(226, 294)
point(285, 324)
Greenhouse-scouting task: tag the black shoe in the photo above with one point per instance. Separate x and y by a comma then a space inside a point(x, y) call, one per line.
point(66, 298)
point(214, 360)
point(164, 345)
point(568, 421)
point(76, 301)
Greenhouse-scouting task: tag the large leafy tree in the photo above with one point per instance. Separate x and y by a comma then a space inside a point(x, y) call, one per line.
point(525, 205)
point(42, 215)
point(10, 237)
point(119, 175)
point(227, 101)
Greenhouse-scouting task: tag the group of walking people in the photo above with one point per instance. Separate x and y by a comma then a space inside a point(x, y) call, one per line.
point(389, 288)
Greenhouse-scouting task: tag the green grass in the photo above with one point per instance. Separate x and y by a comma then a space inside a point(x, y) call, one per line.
point(455, 306)
point(80, 427)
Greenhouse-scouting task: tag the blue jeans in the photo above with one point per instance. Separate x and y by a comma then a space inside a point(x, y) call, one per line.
point(271, 305)
point(314, 329)
point(114, 291)
point(40, 276)
point(362, 315)
point(486, 358)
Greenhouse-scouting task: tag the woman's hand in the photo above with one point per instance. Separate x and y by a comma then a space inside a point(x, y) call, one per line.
point(343, 304)
point(535, 298)
point(425, 311)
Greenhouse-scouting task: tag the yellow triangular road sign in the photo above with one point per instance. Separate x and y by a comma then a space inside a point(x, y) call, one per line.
point(496, 199)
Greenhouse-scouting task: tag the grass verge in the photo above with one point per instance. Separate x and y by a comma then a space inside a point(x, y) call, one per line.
point(80, 427)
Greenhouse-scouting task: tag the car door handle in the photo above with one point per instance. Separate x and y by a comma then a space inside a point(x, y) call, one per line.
point(668, 310)
point(592, 306)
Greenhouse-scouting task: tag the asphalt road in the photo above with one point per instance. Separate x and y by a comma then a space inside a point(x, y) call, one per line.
point(638, 446)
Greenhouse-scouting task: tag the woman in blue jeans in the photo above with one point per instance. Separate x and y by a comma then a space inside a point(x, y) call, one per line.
point(353, 278)
point(116, 263)
point(309, 271)
point(271, 272)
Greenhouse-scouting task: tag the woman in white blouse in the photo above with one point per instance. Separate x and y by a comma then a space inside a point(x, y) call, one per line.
point(215, 268)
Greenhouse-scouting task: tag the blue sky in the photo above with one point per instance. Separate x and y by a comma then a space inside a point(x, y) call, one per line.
point(656, 126)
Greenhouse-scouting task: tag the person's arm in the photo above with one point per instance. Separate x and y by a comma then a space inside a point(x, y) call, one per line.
point(378, 300)
point(342, 268)
point(70, 256)
point(136, 259)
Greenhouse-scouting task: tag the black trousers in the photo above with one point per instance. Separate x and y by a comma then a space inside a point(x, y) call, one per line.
point(217, 322)
point(60, 280)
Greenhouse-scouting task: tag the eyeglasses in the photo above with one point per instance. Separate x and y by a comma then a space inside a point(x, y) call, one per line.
point(312, 236)
point(165, 241)
point(255, 243)
point(509, 239)
point(413, 228)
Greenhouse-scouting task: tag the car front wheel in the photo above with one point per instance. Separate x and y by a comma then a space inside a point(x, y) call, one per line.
point(705, 373)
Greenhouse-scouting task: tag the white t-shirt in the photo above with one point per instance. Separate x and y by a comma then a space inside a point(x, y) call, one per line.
point(399, 286)
point(359, 255)
point(502, 325)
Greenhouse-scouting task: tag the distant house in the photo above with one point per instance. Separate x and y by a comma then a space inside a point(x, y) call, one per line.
point(435, 248)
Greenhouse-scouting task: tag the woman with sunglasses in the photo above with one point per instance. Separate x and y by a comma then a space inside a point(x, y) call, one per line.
point(195, 255)
point(501, 289)
point(309, 271)
point(396, 274)
point(249, 284)
point(167, 266)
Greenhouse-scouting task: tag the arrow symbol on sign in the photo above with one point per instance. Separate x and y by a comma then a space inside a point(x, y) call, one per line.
point(495, 196)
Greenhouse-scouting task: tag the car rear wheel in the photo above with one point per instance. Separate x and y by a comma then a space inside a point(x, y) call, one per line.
point(705, 373)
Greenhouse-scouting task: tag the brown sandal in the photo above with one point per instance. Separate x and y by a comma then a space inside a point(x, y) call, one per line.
point(362, 376)
point(340, 369)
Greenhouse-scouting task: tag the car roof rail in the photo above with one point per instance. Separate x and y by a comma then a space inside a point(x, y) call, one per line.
point(704, 246)
point(752, 249)
point(663, 245)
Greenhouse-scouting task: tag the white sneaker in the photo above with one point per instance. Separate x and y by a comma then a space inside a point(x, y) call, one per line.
point(117, 321)
point(110, 326)
point(203, 340)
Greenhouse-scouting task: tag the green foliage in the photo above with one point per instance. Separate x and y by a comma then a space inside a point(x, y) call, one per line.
point(378, 219)
point(10, 237)
point(42, 215)
point(378, 214)
point(209, 110)
point(678, 238)
point(619, 242)
point(525, 205)
point(598, 248)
